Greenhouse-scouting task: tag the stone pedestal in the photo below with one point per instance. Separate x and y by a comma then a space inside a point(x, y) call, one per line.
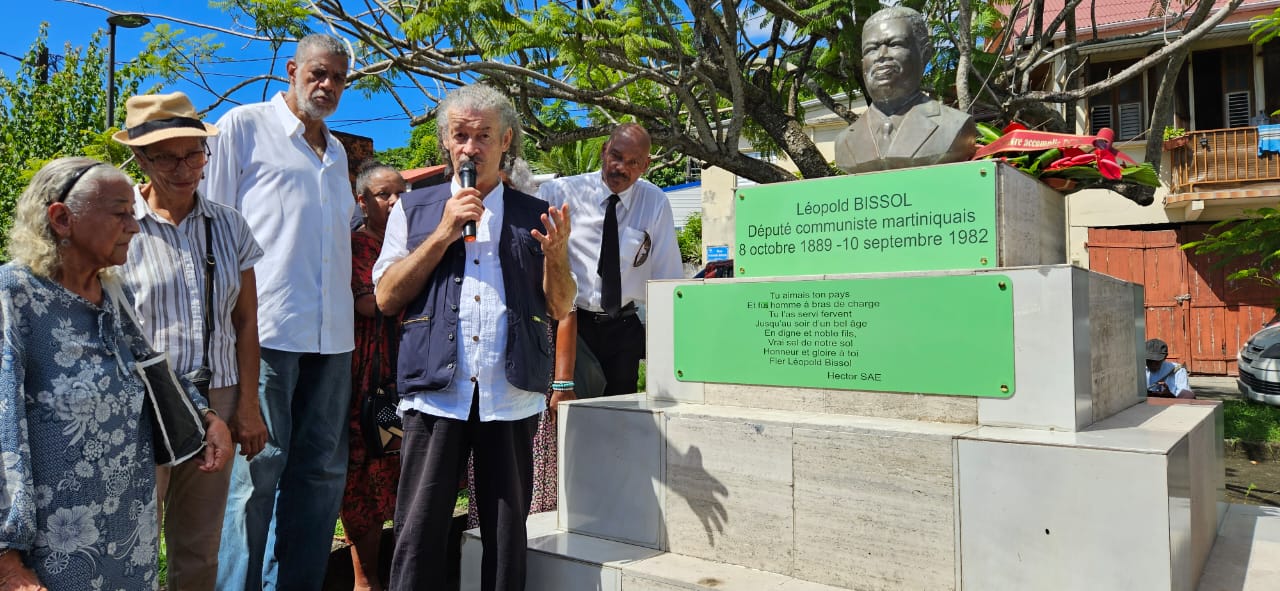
point(1073, 482)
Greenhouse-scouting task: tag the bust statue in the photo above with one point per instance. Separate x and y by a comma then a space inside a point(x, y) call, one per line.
point(902, 127)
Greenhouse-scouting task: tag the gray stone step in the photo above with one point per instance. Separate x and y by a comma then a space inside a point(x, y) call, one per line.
point(563, 561)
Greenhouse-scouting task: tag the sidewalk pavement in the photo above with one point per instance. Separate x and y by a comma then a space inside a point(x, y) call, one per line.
point(1215, 387)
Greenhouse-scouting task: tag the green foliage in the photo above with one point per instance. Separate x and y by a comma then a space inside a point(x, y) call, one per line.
point(280, 20)
point(1266, 27)
point(401, 158)
point(690, 240)
point(1250, 421)
point(1256, 234)
point(423, 149)
point(47, 112)
point(568, 159)
point(1171, 132)
point(668, 175)
point(171, 53)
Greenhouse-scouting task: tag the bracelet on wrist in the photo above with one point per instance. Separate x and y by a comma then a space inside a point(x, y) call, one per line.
point(562, 385)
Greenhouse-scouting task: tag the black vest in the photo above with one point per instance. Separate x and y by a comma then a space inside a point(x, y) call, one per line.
point(428, 343)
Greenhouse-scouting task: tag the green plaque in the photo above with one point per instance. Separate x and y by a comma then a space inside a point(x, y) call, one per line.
point(934, 335)
point(915, 219)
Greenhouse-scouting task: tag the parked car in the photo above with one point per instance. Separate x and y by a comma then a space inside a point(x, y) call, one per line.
point(1259, 363)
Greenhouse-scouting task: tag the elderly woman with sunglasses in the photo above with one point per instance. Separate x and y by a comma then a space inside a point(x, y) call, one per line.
point(191, 268)
point(77, 501)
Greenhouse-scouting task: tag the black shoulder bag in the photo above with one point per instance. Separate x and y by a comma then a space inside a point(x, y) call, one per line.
point(177, 430)
point(379, 422)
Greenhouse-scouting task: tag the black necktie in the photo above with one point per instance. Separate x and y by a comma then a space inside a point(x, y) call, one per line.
point(611, 277)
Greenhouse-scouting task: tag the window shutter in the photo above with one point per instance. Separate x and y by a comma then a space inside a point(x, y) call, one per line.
point(1099, 117)
point(1130, 121)
point(1237, 104)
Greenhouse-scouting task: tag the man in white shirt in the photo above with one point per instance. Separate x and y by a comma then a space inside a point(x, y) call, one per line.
point(475, 353)
point(277, 163)
point(642, 247)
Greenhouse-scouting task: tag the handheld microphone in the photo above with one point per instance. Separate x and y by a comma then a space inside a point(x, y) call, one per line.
point(467, 178)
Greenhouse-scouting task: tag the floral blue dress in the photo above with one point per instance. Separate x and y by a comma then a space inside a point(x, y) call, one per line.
point(78, 492)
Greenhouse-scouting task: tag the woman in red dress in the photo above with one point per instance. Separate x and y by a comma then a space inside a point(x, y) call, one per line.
point(370, 498)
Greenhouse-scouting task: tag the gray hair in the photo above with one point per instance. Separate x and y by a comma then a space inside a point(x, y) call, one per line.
point(919, 28)
point(31, 239)
point(319, 42)
point(520, 177)
point(486, 99)
point(368, 170)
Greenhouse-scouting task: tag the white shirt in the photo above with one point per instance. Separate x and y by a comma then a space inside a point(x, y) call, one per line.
point(166, 272)
point(644, 221)
point(482, 324)
point(300, 210)
point(1174, 376)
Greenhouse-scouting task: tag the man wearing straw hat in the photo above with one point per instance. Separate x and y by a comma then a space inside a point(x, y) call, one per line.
point(186, 268)
point(277, 163)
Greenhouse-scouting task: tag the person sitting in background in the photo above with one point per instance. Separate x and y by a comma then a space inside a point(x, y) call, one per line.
point(1165, 379)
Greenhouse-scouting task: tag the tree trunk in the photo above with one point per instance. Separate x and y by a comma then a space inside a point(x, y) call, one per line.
point(790, 135)
point(964, 43)
point(1162, 111)
point(1071, 62)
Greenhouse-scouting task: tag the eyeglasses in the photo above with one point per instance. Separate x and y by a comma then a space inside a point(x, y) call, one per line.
point(168, 163)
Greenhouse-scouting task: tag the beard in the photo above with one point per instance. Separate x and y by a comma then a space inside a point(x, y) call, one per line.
point(307, 105)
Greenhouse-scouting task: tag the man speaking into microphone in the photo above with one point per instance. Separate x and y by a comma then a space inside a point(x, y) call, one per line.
point(475, 353)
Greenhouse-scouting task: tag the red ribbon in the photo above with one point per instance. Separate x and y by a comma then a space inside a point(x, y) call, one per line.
point(1104, 155)
point(1026, 140)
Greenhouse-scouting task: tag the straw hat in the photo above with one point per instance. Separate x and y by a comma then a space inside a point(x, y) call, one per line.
point(152, 118)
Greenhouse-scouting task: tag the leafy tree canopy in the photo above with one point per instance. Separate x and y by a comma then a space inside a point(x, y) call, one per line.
point(54, 106)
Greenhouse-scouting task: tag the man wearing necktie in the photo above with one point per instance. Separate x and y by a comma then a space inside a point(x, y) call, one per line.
point(623, 236)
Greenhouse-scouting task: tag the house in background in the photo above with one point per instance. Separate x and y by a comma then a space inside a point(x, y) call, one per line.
point(685, 200)
point(1215, 174)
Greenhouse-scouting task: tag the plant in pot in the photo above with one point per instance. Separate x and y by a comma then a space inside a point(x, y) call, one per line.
point(1174, 138)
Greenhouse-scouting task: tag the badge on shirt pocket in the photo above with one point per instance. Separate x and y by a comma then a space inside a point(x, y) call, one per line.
point(642, 254)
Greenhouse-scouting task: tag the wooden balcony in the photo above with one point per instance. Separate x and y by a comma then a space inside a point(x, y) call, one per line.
point(1220, 159)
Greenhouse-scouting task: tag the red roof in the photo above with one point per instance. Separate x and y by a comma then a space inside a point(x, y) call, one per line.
point(414, 175)
point(1116, 17)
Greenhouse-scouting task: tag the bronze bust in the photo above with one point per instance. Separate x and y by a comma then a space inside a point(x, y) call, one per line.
point(902, 127)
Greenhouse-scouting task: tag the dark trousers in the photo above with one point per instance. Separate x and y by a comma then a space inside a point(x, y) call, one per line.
point(619, 345)
point(433, 459)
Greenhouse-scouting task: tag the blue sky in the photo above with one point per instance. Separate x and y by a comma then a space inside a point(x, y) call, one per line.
point(378, 118)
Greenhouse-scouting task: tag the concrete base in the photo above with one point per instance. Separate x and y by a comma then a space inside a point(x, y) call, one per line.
point(838, 498)
point(1133, 502)
point(869, 503)
point(1246, 557)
